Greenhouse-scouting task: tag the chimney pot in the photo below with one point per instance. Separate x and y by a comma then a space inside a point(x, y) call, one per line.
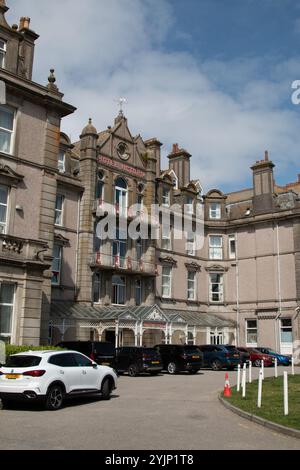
point(299, 178)
point(175, 148)
point(266, 156)
point(24, 22)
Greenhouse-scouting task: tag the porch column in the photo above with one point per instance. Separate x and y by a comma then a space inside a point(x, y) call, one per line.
point(141, 333)
point(187, 334)
point(136, 334)
point(195, 335)
point(170, 333)
point(167, 333)
point(117, 334)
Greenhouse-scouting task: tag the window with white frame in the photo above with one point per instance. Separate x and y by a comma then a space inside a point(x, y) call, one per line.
point(191, 244)
point(7, 295)
point(59, 205)
point(286, 330)
point(191, 285)
point(118, 290)
point(166, 237)
point(3, 208)
point(166, 196)
point(216, 287)
point(166, 290)
point(215, 210)
point(7, 117)
point(189, 205)
point(138, 292)
point(216, 336)
point(251, 332)
point(2, 53)
point(97, 288)
point(232, 246)
point(61, 161)
point(121, 196)
point(215, 247)
point(56, 265)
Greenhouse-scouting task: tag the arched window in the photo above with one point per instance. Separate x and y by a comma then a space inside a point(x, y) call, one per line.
point(121, 196)
point(100, 187)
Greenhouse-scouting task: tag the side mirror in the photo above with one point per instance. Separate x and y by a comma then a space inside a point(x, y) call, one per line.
point(95, 365)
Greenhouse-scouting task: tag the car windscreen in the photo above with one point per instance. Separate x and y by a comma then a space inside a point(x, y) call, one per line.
point(23, 361)
point(104, 349)
point(149, 351)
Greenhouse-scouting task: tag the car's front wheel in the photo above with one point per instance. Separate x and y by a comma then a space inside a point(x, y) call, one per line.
point(257, 363)
point(106, 390)
point(132, 371)
point(55, 398)
point(172, 368)
point(216, 365)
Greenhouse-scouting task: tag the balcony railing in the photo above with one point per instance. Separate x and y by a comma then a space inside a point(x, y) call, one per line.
point(127, 264)
point(22, 250)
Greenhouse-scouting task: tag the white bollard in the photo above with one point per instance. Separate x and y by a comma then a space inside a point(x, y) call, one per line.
point(285, 393)
point(293, 365)
point(260, 381)
point(263, 369)
point(244, 380)
point(238, 378)
point(276, 368)
point(250, 372)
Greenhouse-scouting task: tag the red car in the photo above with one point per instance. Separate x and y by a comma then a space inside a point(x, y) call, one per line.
point(257, 356)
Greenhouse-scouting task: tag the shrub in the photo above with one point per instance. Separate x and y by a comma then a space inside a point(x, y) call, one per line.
point(12, 349)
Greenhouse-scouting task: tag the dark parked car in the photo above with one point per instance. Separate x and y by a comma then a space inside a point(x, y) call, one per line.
point(244, 355)
point(218, 357)
point(136, 360)
point(256, 357)
point(282, 359)
point(179, 358)
point(101, 352)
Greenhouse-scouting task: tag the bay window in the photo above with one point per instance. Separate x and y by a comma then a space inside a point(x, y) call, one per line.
point(216, 288)
point(56, 265)
point(215, 247)
point(7, 116)
point(166, 282)
point(7, 294)
point(191, 287)
point(118, 290)
point(3, 208)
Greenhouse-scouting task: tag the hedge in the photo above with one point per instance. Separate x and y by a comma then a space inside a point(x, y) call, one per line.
point(12, 349)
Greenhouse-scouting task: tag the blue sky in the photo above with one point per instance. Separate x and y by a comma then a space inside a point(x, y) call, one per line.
point(213, 75)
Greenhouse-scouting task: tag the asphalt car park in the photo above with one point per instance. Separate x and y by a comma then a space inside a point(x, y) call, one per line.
point(161, 412)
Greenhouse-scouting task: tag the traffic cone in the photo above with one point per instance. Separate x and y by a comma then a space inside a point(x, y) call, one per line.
point(227, 390)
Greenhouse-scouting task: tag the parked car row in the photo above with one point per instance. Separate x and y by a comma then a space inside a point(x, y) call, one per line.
point(91, 367)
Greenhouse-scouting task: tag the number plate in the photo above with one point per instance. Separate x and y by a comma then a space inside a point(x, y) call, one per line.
point(155, 362)
point(13, 376)
point(196, 357)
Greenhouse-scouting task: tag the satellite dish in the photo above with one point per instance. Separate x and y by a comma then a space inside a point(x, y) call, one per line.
point(2, 92)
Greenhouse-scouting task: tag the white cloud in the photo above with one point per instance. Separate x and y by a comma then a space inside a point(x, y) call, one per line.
point(223, 113)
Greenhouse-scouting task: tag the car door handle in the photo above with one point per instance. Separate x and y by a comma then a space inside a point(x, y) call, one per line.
point(61, 372)
point(84, 372)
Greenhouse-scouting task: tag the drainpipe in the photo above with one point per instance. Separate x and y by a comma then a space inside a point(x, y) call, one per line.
point(77, 243)
point(276, 329)
point(237, 292)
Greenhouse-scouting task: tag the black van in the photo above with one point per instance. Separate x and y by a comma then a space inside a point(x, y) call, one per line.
point(136, 360)
point(178, 358)
point(101, 352)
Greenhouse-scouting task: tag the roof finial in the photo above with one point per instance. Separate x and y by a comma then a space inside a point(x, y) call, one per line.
point(121, 102)
point(52, 79)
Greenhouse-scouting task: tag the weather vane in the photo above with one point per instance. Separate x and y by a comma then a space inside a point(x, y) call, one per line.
point(121, 102)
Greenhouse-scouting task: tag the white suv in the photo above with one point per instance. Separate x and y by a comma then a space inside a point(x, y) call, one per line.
point(52, 376)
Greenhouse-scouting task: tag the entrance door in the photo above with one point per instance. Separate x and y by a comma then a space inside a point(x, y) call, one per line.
point(110, 337)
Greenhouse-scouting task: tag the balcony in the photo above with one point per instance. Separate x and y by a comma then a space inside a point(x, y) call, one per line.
point(127, 264)
point(15, 251)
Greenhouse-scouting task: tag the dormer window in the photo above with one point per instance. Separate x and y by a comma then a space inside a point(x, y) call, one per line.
point(62, 161)
point(215, 211)
point(2, 53)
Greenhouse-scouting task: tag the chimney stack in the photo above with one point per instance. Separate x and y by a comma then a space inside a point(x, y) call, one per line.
point(179, 162)
point(263, 185)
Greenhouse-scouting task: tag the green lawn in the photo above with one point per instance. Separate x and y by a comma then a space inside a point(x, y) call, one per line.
point(272, 401)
